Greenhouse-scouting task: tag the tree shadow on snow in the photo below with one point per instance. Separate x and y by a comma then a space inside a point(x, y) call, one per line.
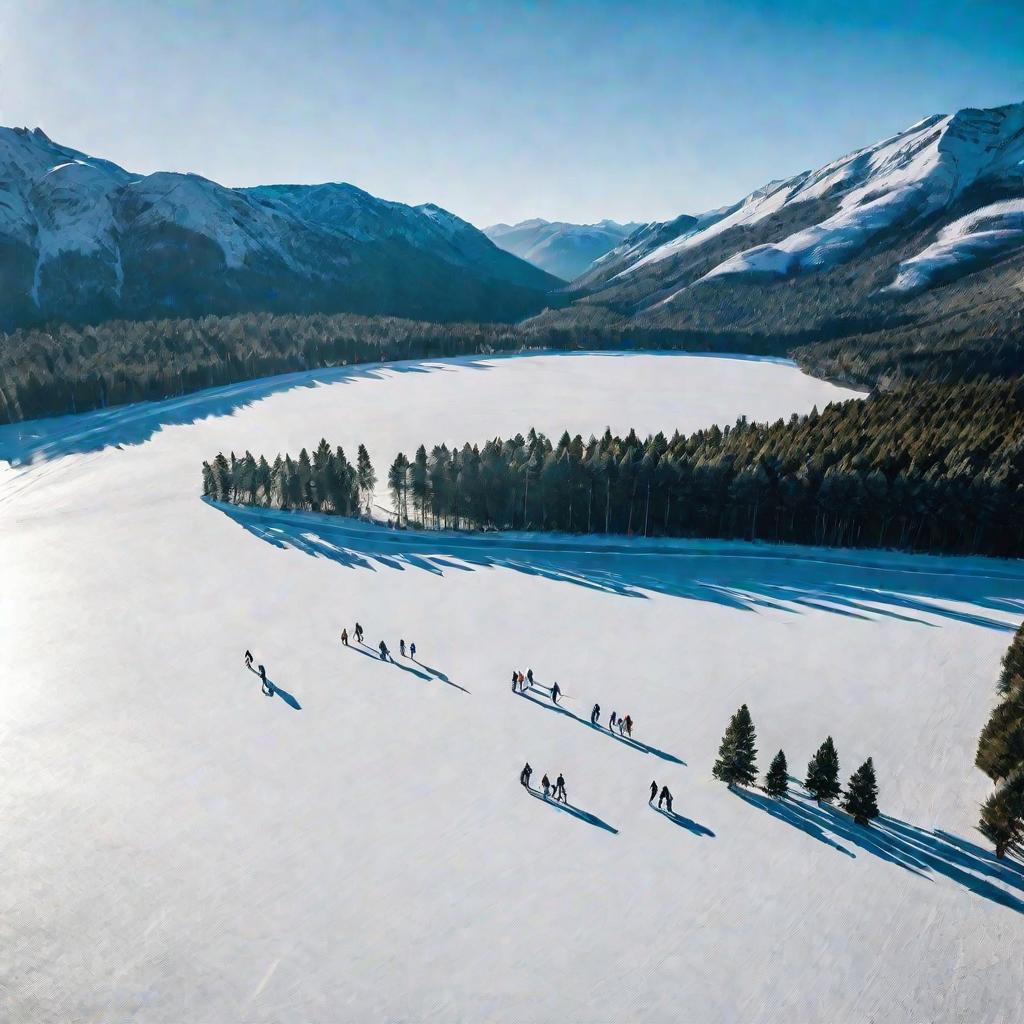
point(576, 812)
point(923, 852)
point(43, 439)
point(625, 740)
point(683, 822)
point(919, 589)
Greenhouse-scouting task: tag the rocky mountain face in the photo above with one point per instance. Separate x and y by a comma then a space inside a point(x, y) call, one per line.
point(565, 250)
point(917, 236)
point(82, 239)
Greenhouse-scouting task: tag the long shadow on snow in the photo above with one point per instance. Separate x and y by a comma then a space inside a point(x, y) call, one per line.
point(626, 740)
point(279, 692)
point(368, 652)
point(34, 440)
point(747, 577)
point(576, 812)
point(926, 853)
point(683, 822)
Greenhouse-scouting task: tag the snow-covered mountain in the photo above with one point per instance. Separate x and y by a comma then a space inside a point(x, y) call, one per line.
point(84, 239)
point(874, 234)
point(565, 250)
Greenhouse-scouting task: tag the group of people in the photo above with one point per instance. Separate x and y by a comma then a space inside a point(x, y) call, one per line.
point(265, 684)
point(382, 647)
point(545, 784)
point(665, 797)
point(623, 723)
point(521, 683)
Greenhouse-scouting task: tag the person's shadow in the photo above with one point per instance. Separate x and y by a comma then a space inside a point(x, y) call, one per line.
point(278, 691)
point(576, 812)
point(683, 822)
point(374, 655)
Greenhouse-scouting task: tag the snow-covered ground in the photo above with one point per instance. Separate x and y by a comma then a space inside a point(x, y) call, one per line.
point(176, 846)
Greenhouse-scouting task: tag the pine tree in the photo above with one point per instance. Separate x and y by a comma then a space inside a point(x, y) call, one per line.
point(737, 755)
point(822, 780)
point(365, 476)
point(209, 481)
point(1002, 815)
point(776, 782)
point(861, 796)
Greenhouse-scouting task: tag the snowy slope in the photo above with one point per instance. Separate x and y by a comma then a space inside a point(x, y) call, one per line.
point(178, 847)
point(565, 250)
point(84, 239)
point(922, 178)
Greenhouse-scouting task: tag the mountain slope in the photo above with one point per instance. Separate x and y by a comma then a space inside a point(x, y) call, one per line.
point(565, 250)
point(82, 239)
point(913, 232)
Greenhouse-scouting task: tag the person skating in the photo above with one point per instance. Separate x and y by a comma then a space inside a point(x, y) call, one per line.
point(524, 775)
point(401, 648)
point(545, 785)
point(412, 651)
point(385, 654)
point(556, 692)
point(654, 792)
point(629, 725)
point(595, 714)
point(665, 797)
point(359, 633)
point(248, 659)
point(611, 722)
point(344, 637)
point(560, 789)
point(529, 676)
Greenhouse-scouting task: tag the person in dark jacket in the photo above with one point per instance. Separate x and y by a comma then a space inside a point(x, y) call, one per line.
point(248, 659)
point(595, 714)
point(385, 654)
point(546, 785)
point(654, 792)
point(556, 692)
point(344, 637)
point(560, 788)
point(524, 775)
point(665, 797)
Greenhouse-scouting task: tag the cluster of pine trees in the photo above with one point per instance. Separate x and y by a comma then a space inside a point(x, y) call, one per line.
point(1001, 756)
point(323, 482)
point(737, 766)
point(935, 468)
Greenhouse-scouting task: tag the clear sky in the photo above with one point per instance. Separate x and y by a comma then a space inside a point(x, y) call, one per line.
point(500, 111)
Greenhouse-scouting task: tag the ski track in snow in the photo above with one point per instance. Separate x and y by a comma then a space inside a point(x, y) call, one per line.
point(177, 846)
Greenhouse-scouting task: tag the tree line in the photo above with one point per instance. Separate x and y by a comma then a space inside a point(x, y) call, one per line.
point(737, 766)
point(932, 468)
point(64, 368)
point(323, 482)
point(1001, 756)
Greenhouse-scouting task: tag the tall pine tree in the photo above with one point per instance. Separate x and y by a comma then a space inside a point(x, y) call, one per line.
point(737, 756)
point(776, 782)
point(365, 476)
point(822, 780)
point(861, 796)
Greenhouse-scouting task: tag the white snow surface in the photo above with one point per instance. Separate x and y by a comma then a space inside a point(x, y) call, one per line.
point(982, 235)
point(176, 846)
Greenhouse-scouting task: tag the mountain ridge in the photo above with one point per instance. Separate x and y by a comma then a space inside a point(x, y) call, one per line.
point(82, 239)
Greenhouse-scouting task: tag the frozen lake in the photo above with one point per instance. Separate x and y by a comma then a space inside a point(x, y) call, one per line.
point(177, 846)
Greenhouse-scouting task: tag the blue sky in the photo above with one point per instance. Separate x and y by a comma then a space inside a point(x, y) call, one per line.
point(500, 111)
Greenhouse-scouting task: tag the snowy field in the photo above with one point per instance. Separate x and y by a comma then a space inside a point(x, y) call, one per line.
point(178, 847)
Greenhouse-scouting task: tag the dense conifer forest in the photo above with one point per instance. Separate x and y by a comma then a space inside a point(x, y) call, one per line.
point(928, 468)
point(67, 369)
